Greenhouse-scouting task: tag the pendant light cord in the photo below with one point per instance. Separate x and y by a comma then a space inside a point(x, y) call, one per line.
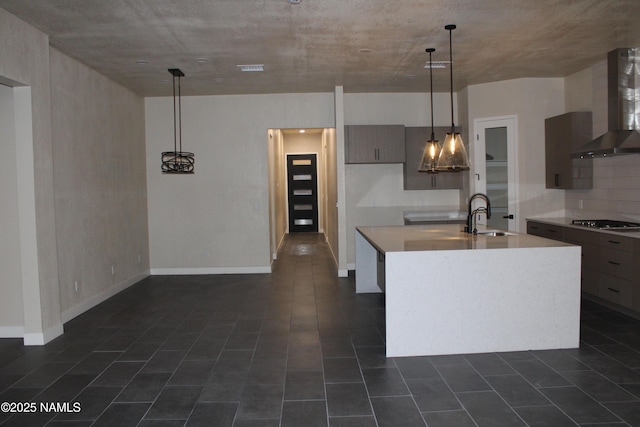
point(180, 112)
point(177, 119)
point(175, 129)
point(430, 50)
point(177, 161)
point(450, 28)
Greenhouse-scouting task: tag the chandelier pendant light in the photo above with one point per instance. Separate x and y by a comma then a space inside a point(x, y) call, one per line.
point(453, 155)
point(177, 161)
point(431, 151)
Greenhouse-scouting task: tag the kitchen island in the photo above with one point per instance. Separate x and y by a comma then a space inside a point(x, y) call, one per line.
point(450, 292)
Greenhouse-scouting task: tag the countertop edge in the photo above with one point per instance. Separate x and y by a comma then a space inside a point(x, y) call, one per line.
point(566, 222)
point(396, 244)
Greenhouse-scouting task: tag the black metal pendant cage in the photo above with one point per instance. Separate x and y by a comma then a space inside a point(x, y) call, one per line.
point(177, 161)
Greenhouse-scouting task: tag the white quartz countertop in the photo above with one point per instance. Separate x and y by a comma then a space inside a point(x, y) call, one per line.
point(566, 222)
point(442, 237)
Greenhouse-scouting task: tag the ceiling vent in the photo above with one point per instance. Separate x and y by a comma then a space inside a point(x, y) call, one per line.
point(437, 64)
point(251, 68)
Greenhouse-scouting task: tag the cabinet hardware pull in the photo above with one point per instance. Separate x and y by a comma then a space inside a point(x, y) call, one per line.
point(615, 242)
point(510, 216)
point(552, 231)
point(614, 263)
point(614, 290)
point(557, 179)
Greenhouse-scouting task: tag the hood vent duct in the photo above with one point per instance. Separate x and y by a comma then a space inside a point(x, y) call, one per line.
point(623, 85)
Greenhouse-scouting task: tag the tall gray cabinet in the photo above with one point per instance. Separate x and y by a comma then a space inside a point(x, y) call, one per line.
point(564, 134)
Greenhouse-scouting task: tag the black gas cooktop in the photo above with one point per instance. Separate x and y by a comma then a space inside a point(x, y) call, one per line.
point(605, 224)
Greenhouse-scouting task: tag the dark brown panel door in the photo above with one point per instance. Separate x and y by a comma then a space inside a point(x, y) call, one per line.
point(302, 179)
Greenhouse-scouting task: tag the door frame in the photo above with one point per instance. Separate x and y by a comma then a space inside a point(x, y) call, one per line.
point(478, 179)
point(286, 183)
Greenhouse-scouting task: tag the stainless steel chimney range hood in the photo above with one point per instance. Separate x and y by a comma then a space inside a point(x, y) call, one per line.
point(623, 85)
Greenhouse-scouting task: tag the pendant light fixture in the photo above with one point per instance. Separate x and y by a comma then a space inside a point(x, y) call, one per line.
point(431, 151)
point(453, 156)
point(177, 161)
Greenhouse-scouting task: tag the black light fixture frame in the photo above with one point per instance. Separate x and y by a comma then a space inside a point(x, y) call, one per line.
point(450, 28)
point(454, 135)
point(433, 139)
point(177, 161)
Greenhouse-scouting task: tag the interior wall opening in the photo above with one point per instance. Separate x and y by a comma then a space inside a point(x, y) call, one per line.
point(11, 304)
point(315, 142)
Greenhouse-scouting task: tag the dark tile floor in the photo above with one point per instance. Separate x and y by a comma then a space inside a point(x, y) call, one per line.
point(299, 348)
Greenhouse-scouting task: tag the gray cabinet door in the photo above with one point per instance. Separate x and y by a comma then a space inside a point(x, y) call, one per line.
point(415, 138)
point(374, 144)
point(563, 134)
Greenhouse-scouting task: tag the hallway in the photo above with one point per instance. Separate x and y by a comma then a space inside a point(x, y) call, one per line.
point(299, 348)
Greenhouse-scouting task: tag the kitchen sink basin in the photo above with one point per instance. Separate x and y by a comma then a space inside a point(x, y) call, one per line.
point(494, 233)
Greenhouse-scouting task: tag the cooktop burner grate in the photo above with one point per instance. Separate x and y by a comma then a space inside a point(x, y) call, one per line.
point(604, 223)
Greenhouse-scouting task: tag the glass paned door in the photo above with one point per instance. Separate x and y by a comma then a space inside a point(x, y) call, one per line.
point(496, 170)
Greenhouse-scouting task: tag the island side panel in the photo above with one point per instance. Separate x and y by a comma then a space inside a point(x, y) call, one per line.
point(366, 266)
point(477, 301)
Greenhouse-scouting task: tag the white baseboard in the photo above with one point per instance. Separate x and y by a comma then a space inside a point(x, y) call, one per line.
point(351, 266)
point(77, 310)
point(210, 270)
point(41, 338)
point(343, 273)
point(11, 331)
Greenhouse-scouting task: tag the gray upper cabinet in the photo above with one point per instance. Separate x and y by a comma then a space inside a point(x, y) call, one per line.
point(374, 143)
point(415, 138)
point(564, 134)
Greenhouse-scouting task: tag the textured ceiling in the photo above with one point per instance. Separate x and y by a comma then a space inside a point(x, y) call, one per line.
point(318, 44)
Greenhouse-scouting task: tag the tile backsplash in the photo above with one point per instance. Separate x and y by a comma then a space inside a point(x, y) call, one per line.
point(615, 193)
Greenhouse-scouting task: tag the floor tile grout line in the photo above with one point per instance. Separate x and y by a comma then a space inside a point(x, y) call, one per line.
point(580, 388)
point(453, 392)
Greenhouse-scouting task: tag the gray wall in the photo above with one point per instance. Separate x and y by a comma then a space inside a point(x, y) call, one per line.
point(331, 192)
point(11, 316)
point(100, 185)
point(25, 64)
point(217, 220)
point(80, 183)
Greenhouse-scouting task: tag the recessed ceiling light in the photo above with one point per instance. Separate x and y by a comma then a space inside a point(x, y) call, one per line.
point(218, 80)
point(302, 131)
point(294, 1)
point(201, 60)
point(141, 61)
point(364, 50)
point(251, 67)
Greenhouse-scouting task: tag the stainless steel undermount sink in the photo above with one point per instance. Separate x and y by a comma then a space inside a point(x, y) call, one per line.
point(494, 233)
